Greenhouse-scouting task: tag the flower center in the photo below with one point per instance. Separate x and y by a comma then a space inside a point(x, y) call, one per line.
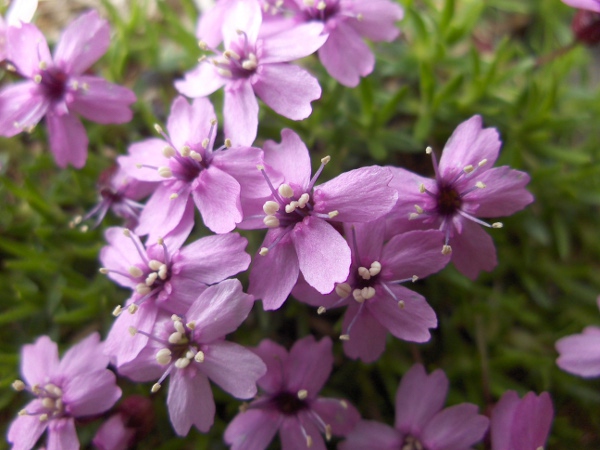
point(239, 61)
point(54, 83)
point(51, 405)
point(412, 443)
point(321, 9)
point(290, 404)
point(448, 200)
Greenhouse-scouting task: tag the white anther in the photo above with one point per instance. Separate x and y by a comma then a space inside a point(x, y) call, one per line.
point(263, 251)
point(231, 55)
point(328, 432)
point(135, 272)
point(321, 310)
point(18, 385)
point(133, 308)
point(428, 150)
point(53, 389)
point(446, 250)
point(321, 5)
point(42, 65)
point(228, 143)
point(344, 337)
point(158, 128)
point(162, 271)
point(302, 394)
point(160, 241)
point(468, 169)
point(173, 196)
point(343, 290)
point(155, 388)
point(224, 72)
point(414, 278)
point(368, 292)
point(190, 353)
point(344, 404)
point(150, 279)
point(480, 185)
point(103, 270)
point(195, 156)
point(270, 207)
point(325, 159)
point(401, 304)
point(309, 3)
point(419, 209)
point(333, 214)
point(413, 216)
point(483, 162)
point(48, 403)
point(154, 264)
point(37, 78)
point(176, 338)
point(199, 357)
point(271, 221)
point(179, 327)
point(169, 152)
point(291, 207)
point(85, 86)
point(182, 363)
point(375, 268)
point(205, 142)
point(422, 188)
point(191, 325)
point(132, 331)
point(165, 172)
point(163, 356)
point(43, 417)
point(175, 318)
point(286, 191)
point(249, 64)
point(303, 200)
point(497, 225)
point(142, 289)
point(364, 273)
point(117, 311)
point(357, 294)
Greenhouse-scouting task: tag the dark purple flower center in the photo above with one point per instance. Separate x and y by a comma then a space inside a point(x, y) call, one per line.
point(54, 83)
point(323, 10)
point(289, 404)
point(411, 443)
point(187, 169)
point(239, 61)
point(448, 200)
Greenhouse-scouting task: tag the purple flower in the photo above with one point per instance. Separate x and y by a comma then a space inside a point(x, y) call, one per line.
point(78, 385)
point(57, 87)
point(18, 11)
point(521, 424)
point(191, 349)
point(376, 301)
point(580, 353)
point(589, 5)
point(188, 171)
point(465, 188)
point(164, 276)
point(421, 423)
point(290, 403)
point(345, 56)
point(251, 64)
point(300, 215)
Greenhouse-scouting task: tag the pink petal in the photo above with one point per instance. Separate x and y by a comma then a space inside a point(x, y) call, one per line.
point(190, 402)
point(371, 434)
point(292, 434)
point(200, 82)
point(241, 163)
point(287, 89)
point(580, 353)
point(305, 293)
point(252, 429)
point(84, 357)
point(39, 361)
point(219, 310)
point(28, 47)
point(244, 16)
point(113, 434)
point(190, 124)
point(502, 421)
point(412, 321)
point(294, 43)
point(25, 431)
point(456, 428)
point(367, 336)
point(275, 357)
point(290, 158)
point(369, 240)
point(473, 250)
point(119, 255)
point(163, 214)
point(217, 196)
point(62, 435)
point(240, 111)
point(22, 106)
point(208, 28)
point(590, 5)
point(469, 144)
point(419, 398)
point(309, 365)
point(378, 19)
point(345, 56)
point(532, 421)
point(339, 414)
point(273, 276)
point(101, 101)
point(82, 43)
point(91, 393)
point(233, 367)
point(504, 193)
point(360, 195)
point(68, 140)
point(20, 11)
point(148, 152)
point(323, 254)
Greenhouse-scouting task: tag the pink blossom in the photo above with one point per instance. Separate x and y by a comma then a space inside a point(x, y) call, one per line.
point(465, 187)
point(187, 171)
point(521, 424)
point(290, 401)
point(301, 217)
point(589, 5)
point(79, 385)
point(580, 353)
point(58, 89)
point(377, 303)
point(18, 11)
point(420, 420)
point(163, 276)
point(257, 65)
point(191, 348)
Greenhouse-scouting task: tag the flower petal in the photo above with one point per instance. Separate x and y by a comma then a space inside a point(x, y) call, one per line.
point(339, 414)
point(162, 214)
point(200, 82)
point(309, 365)
point(22, 106)
point(62, 435)
point(25, 431)
point(190, 402)
point(290, 158)
point(274, 356)
point(378, 20)
point(252, 429)
point(91, 393)
point(293, 43)
point(580, 353)
point(84, 357)
point(532, 421)
point(39, 361)
point(367, 335)
point(294, 434)
point(68, 140)
point(240, 111)
point(100, 101)
point(473, 250)
point(27, 49)
point(371, 434)
point(190, 124)
point(455, 428)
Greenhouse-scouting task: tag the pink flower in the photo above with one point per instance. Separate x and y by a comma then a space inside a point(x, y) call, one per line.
point(188, 171)
point(345, 56)
point(466, 187)
point(589, 5)
point(191, 349)
point(251, 64)
point(580, 353)
point(164, 276)
point(420, 420)
point(18, 11)
point(79, 385)
point(290, 403)
point(377, 303)
point(57, 87)
point(301, 217)
point(521, 424)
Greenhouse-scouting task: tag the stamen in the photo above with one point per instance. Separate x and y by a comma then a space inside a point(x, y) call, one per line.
point(173, 196)
point(321, 5)
point(480, 185)
point(313, 180)
point(155, 388)
point(375, 268)
point(185, 151)
point(142, 289)
point(195, 156)
point(18, 385)
point(483, 162)
point(263, 251)
point(302, 394)
point(132, 331)
point(286, 191)
point(231, 54)
point(363, 272)
point(343, 290)
point(321, 310)
point(169, 152)
point(163, 356)
point(446, 249)
point(401, 304)
point(333, 214)
point(117, 311)
point(368, 292)
point(418, 209)
point(271, 221)
point(135, 272)
point(153, 264)
point(151, 279)
point(468, 169)
point(191, 325)
point(303, 200)
point(165, 172)
point(182, 363)
point(199, 357)
point(270, 207)
point(497, 225)
point(291, 207)
point(357, 294)
point(344, 337)
point(133, 308)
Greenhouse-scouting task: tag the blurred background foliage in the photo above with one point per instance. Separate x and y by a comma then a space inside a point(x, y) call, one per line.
point(455, 58)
